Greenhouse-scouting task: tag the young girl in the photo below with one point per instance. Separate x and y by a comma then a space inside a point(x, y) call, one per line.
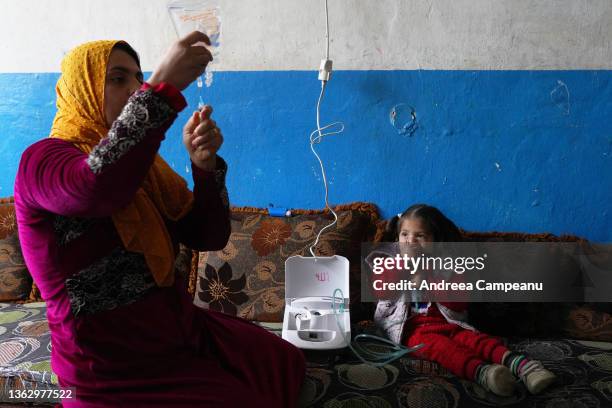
point(442, 326)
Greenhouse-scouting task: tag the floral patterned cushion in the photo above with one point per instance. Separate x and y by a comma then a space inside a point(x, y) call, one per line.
point(589, 322)
point(246, 278)
point(8, 222)
point(15, 280)
point(529, 319)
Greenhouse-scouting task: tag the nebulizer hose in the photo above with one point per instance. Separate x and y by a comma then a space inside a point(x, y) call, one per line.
point(368, 356)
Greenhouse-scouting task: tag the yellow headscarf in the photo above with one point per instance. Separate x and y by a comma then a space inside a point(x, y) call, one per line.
point(80, 120)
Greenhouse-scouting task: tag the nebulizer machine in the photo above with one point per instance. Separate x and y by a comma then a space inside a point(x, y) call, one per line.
point(315, 320)
point(312, 319)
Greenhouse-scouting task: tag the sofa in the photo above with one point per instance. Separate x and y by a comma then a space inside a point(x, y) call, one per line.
point(246, 279)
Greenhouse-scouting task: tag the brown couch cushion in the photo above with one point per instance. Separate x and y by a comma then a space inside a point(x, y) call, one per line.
point(592, 321)
point(531, 319)
point(15, 280)
point(246, 278)
point(495, 236)
point(186, 259)
point(589, 322)
point(8, 222)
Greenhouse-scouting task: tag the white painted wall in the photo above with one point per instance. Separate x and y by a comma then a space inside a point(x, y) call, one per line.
point(366, 34)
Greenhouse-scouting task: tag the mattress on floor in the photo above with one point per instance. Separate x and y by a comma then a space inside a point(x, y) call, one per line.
point(25, 350)
point(338, 379)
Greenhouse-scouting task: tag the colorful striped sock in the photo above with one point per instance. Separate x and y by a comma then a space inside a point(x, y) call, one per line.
point(479, 377)
point(515, 362)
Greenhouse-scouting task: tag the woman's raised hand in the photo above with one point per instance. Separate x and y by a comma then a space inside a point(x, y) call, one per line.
point(202, 139)
point(183, 62)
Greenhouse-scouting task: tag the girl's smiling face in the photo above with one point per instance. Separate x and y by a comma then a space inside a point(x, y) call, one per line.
point(414, 236)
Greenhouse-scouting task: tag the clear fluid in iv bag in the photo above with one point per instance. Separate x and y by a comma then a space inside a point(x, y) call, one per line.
point(203, 16)
point(210, 25)
point(209, 77)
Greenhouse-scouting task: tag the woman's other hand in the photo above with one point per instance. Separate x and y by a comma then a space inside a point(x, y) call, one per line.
point(183, 62)
point(202, 139)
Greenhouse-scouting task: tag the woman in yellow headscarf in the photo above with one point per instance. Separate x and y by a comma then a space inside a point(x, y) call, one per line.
point(100, 215)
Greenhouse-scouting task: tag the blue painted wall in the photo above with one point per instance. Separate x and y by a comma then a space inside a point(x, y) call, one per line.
point(495, 150)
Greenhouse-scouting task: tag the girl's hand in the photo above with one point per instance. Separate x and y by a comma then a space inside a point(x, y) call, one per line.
point(202, 139)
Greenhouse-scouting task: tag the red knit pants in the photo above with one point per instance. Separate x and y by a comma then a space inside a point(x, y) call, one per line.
point(457, 349)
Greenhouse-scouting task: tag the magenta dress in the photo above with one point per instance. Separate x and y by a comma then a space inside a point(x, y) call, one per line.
point(116, 337)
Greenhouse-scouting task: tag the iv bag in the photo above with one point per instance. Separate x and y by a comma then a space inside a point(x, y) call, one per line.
point(200, 15)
